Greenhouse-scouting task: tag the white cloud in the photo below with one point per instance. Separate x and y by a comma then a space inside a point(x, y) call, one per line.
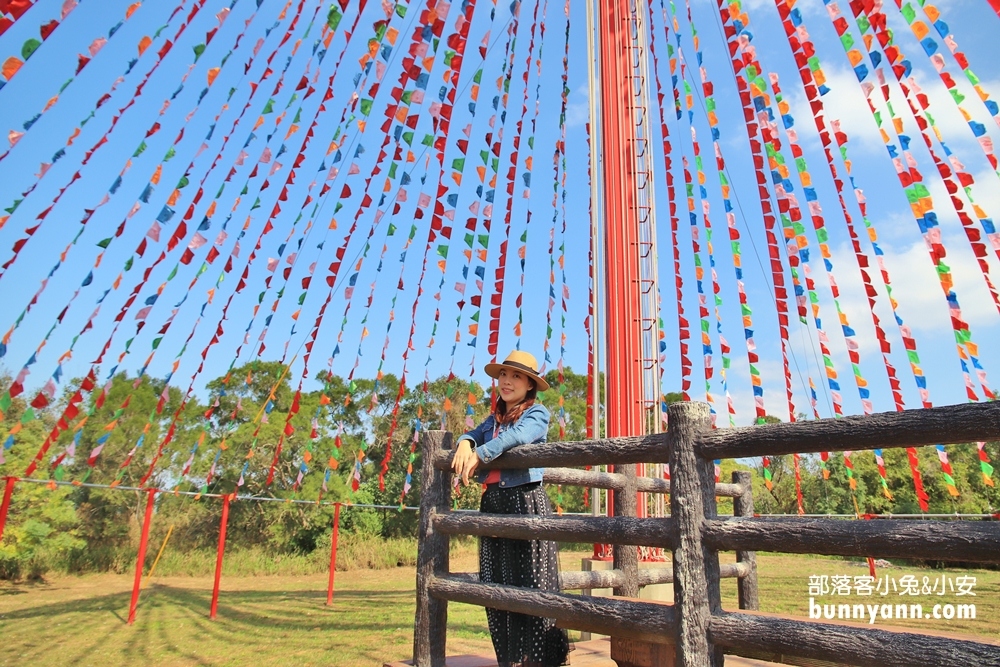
point(847, 104)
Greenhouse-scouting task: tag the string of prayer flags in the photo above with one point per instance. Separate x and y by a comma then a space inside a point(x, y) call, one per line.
point(154, 127)
point(743, 75)
point(213, 254)
point(432, 22)
point(559, 167)
point(503, 85)
point(984, 464)
point(808, 66)
point(46, 167)
point(753, 359)
point(946, 471)
point(139, 252)
point(695, 237)
point(142, 316)
point(13, 136)
point(458, 40)
point(512, 172)
point(699, 269)
point(790, 216)
point(422, 203)
point(849, 470)
point(12, 10)
point(922, 206)
point(561, 417)
point(824, 457)
point(948, 170)
point(684, 328)
point(485, 191)
point(922, 32)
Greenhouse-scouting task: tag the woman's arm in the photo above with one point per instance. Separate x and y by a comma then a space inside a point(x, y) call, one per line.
point(533, 426)
point(465, 461)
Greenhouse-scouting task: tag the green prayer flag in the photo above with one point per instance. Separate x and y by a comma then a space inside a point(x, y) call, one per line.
point(334, 17)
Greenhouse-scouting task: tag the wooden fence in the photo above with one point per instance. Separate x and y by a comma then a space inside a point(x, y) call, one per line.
point(695, 625)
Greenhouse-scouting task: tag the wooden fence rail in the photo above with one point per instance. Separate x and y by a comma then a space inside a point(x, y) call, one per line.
point(695, 625)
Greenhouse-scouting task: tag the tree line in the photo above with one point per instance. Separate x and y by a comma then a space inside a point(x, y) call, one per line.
point(327, 435)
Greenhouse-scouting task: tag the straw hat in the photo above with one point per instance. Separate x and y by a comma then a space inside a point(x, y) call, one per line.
point(523, 362)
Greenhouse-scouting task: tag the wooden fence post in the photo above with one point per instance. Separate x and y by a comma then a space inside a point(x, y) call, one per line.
point(696, 567)
point(430, 625)
point(746, 587)
point(626, 556)
point(633, 652)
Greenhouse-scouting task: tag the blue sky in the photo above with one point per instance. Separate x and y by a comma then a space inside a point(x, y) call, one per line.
point(921, 303)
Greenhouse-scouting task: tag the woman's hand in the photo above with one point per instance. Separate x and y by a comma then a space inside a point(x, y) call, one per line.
point(465, 461)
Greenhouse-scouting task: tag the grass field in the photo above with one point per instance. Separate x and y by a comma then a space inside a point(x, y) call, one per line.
point(282, 620)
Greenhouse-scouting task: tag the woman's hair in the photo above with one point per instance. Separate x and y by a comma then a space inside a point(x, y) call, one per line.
point(503, 416)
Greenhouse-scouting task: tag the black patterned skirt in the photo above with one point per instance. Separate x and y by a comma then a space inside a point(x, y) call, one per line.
point(518, 638)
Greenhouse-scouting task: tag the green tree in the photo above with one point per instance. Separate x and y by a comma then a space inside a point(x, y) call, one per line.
point(42, 529)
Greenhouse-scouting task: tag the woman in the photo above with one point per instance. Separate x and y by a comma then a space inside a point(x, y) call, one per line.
point(519, 640)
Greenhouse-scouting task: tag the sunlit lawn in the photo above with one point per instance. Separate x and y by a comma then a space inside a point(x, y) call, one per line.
point(274, 620)
point(784, 589)
point(282, 620)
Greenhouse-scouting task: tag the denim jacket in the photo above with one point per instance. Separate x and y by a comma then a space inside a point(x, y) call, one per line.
point(491, 441)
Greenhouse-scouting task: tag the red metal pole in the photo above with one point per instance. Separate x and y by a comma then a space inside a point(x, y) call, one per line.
point(623, 293)
point(5, 505)
point(333, 552)
point(222, 550)
point(141, 558)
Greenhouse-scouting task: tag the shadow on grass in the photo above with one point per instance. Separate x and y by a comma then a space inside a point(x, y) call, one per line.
point(160, 595)
point(362, 627)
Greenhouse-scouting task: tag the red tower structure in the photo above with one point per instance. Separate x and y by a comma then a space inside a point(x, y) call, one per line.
point(619, 145)
point(628, 230)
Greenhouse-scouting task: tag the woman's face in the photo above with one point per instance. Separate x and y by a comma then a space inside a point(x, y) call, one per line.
point(514, 386)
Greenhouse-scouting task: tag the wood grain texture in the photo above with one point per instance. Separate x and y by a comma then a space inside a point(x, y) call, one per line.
point(625, 554)
point(730, 490)
point(608, 451)
point(589, 478)
point(977, 542)
point(430, 623)
point(625, 530)
point(865, 647)
point(692, 504)
point(616, 481)
point(591, 579)
point(910, 428)
point(646, 621)
point(746, 589)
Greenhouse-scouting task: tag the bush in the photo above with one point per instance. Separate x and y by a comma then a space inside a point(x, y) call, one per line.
point(354, 552)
